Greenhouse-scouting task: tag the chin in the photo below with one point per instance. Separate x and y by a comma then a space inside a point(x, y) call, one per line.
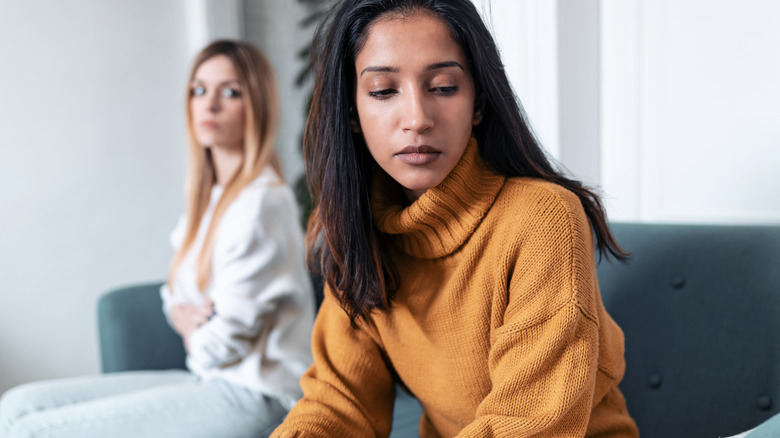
point(430, 183)
point(205, 141)
point(419, 187)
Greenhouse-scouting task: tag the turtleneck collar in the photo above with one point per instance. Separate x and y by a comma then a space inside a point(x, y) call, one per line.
point(444, 217)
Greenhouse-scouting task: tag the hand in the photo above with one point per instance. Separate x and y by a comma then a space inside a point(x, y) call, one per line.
point(187, 318)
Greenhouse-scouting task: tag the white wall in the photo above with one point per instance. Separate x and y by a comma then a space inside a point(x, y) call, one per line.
point(579, 88)
point(91, 167)
point(526, 33)
point(690, 114)
point(550, 49)
point(273, 26)
point(669, 105)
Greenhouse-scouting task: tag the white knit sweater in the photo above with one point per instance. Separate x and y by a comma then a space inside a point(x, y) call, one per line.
point(260, 334)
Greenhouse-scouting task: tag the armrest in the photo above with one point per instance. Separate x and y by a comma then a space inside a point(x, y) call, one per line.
point(133, 332)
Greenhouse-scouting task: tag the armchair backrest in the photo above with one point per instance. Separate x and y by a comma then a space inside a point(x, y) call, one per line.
point(700, 309)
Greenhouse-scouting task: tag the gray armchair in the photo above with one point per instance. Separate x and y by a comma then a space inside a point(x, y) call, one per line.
point(699, 306)
point(134, 335)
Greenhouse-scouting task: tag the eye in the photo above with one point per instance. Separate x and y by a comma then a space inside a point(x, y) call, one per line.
point(445, 91)
point(198, 91)
point(382, 94)
point(231, 93)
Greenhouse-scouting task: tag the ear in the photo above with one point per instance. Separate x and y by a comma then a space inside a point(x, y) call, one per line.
point(355, 126)
point(353, 122)
point(479, 106)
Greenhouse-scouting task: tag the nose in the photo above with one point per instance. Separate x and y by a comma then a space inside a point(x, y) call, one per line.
point(416, 113)
point(214, 102)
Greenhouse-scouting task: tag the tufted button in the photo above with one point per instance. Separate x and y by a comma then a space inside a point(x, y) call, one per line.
point(764, 402)
point(678, 281)
point(654, 381)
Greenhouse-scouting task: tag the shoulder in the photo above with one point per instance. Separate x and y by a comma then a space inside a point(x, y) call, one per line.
point(264, 209)
point(535, 201)
point(266, 198)
point(543, 221)
point(549, 238)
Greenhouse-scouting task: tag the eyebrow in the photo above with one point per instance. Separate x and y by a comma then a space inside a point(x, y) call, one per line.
point(435, 66)
point(196, 80)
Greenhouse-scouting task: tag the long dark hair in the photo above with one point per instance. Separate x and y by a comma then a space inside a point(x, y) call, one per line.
point(343, 242)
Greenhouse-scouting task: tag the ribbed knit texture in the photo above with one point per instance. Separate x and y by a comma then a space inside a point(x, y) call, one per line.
point(497, 328)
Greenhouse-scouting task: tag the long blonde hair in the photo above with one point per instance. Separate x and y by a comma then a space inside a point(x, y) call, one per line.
point(261, 103)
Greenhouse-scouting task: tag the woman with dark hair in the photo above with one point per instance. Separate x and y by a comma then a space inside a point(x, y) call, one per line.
point(458, 262)
point(237, 292)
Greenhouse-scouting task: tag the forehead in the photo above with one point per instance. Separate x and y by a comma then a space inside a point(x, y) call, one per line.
point(409, 40)
point(216, 68)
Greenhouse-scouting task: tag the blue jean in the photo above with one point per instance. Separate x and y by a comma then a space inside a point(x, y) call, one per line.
point(140, 403)
point(768, 429)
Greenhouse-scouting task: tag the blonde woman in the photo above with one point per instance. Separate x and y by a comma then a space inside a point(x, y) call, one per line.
point(238, 292)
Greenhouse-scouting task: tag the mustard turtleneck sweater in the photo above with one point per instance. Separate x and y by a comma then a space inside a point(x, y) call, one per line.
point(498, 327)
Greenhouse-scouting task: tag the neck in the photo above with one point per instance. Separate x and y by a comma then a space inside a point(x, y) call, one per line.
point(227, 161)
point(413, 195)
point(445, 216)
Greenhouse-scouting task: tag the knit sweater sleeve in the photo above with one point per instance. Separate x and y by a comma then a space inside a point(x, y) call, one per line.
point(348, 391)
point(254, 279)
point(544, 357)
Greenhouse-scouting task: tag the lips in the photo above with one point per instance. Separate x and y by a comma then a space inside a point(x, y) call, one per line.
point(209, 124)
point(418, 155)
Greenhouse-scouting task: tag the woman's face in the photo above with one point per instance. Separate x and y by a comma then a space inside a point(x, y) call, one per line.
point(414, 99)
point(217, 105)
